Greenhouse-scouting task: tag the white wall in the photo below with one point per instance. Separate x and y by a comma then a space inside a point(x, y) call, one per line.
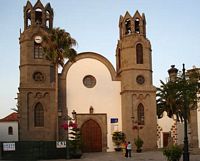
point(4, 131)
point(165, 123)
point(104, 97)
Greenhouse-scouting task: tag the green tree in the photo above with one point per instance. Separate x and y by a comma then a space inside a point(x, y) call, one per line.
point(58, 47)
point(171, 95)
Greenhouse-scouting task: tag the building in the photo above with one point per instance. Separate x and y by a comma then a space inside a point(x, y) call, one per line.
point(9, 128)
point(105, 99)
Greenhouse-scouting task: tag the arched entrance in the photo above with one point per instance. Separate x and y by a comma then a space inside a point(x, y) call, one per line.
point(91, 136)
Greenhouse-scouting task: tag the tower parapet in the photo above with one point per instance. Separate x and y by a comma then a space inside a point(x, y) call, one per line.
point(38, 15)
point(132, 25)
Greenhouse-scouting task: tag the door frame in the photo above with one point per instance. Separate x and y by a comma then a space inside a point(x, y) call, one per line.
point(101, 119)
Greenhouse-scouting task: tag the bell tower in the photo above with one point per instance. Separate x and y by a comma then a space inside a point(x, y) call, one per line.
point(134, 69)
point(36, 97)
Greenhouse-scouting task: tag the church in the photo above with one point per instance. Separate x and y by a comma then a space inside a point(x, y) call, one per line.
point(103, 98)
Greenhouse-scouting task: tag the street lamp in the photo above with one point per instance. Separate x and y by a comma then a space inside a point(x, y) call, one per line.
point(185, 150)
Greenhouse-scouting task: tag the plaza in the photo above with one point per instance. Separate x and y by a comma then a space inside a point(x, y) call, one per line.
point(117, 156)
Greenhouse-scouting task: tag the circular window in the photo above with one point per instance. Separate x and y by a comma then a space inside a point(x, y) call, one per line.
point(89, 81)
point(38, 77)
point(140, 79)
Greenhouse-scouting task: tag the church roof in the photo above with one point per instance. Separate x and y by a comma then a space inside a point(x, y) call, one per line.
point(12, 117)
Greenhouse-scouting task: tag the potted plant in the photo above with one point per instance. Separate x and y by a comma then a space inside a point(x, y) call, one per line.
point(173, 153)
point(118, 137)
point(138, 143)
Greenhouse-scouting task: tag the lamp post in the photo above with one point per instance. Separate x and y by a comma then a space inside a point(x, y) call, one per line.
point(185, 149)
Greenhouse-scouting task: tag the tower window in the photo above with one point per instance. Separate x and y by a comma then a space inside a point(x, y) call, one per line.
point(38, 16)
point(128, 26)
point(28, 18)
point(39, 115)
point(38, 51)
point(139, 54)
point(140, 113)
point(10, 130)
point(47, 19)
point(137, 25)
point(119, 58)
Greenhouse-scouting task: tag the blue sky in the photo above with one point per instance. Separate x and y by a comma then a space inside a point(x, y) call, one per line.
point(173, 27)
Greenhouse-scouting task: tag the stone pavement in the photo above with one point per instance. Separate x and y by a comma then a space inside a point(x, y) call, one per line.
point(117, 156)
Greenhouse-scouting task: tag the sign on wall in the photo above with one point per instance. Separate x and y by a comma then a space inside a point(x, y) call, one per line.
point(60, 144)
point(114, 120)
point(8, 146)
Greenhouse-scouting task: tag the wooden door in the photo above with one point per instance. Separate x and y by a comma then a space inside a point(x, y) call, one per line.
point(91, 136)
point(165, 139)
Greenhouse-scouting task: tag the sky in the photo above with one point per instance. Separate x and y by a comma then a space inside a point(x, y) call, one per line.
point(173, 28)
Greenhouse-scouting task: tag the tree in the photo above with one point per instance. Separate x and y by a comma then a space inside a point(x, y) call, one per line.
point(58, 46)
point(170, 95)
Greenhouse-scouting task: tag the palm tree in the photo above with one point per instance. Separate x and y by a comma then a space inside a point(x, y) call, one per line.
point(170, 95)
point(58, 46)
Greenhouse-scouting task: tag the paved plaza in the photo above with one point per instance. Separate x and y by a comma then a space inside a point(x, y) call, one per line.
point(117, 156)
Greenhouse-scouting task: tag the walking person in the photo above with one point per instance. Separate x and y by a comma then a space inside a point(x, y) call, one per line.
point(129, 146)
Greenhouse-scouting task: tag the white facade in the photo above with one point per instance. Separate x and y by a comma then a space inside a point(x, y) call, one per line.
point(104, 97)
point(5, 135)
point(169, 126)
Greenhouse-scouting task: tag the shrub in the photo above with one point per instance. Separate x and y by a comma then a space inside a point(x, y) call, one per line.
point(173, 153)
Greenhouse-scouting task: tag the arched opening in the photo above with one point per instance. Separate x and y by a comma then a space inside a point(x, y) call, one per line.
point(128, 26)
point(10, 130)
point(137, 25)
point(39, 115)
point(47, 22)
point(139, 54)
point(28, 18)
point(91, 135)
point(119, 58)
point(38, 16)
point(140, 113)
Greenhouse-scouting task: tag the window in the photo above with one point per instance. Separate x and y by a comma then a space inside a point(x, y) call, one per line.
point(38, 51)
point(38, 16)
point(119, 58)
point(38, 77)
point(128, 26)
point(139, 54)
point(47, 19)
point(10, 130)
point(89, 81)
point(140, 112)
point(39, 115)
point(28, 18)
point(137, 25)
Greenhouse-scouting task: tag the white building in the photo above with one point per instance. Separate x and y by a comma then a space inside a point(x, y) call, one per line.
point(9, 128)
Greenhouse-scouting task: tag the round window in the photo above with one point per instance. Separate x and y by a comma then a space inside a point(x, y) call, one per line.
point(89, 81)
point(38, 77)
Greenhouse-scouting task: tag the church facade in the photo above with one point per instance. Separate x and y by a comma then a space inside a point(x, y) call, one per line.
point(104, 99)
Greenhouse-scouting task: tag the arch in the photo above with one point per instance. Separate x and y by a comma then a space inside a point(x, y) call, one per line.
point(28, 18)
point(137, 25)
point(140, 114)
point(91, 135)
point(10, 130)
point(93, 56)
point(127, 26)
point(38, 16)
point(139, 53)
point(39, 115)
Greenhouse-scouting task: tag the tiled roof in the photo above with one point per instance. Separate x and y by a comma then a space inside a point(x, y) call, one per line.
point(12, 117)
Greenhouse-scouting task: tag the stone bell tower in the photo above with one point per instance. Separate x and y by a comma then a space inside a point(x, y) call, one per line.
point(37, 112)
point(134, 68)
